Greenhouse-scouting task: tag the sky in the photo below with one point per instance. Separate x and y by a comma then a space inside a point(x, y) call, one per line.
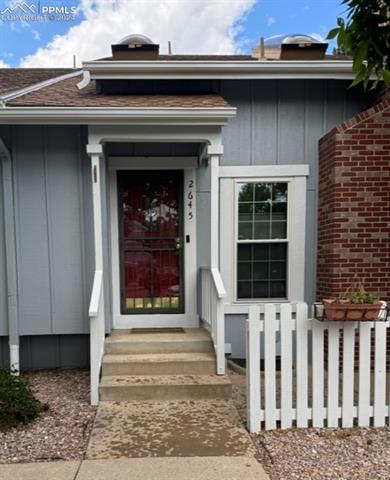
point(32, 34)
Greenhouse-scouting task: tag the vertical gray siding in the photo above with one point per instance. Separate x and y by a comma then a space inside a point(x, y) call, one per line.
point(280, 122)
point(49, 351)
point(53, 229)
point(265, 123)
point(235, 334)
point(65, 229)
point(32, 231)
point(5, 134)
point(88, 246)
point(3, 280)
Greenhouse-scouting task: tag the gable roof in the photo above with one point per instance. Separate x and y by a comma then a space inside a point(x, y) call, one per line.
point(12, 79)
point(65, 93)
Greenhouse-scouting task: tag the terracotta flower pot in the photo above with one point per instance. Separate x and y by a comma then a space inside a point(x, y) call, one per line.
point(345, 310)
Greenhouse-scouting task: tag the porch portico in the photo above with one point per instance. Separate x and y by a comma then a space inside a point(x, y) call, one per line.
point(202, 147)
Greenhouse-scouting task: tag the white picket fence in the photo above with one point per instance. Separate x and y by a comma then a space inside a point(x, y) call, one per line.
point(303, 372)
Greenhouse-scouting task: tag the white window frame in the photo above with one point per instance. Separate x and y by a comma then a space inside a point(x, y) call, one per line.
point(286, 240)
point(295, 176)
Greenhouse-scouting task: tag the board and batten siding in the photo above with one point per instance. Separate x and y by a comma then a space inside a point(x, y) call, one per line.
point(49, 351)
point(54, 236)
point(280, 122)
point(3, 279)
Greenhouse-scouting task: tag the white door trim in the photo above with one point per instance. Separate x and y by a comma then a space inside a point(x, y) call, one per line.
point(190, 317)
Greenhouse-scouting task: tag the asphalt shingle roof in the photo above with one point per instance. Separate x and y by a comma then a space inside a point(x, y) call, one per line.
point(66, 94)
point(12, 79)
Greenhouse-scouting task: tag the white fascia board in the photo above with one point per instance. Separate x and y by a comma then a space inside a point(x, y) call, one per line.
point(321, 69)
point(270, 171)
point(116, 116)
point(36, 86)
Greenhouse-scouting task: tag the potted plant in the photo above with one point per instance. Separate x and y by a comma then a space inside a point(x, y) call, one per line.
point(354, 304)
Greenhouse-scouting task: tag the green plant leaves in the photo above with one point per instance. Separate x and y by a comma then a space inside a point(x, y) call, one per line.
point(333, 33)
point(366, 36)
point(17, 403)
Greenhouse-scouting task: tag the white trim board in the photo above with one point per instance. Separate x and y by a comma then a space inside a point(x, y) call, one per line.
point(245, 69)
point(264, 171)
point(190, 316)
point(116, 116)
point(296, 234)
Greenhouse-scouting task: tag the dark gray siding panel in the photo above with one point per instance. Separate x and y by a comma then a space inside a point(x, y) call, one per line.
point(49, 351)
point(4, 352)
point(74, 351)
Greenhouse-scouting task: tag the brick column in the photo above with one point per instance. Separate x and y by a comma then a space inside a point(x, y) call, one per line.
point(354, 204)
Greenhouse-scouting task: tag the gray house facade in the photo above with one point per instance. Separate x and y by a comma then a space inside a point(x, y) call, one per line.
point(123, 181)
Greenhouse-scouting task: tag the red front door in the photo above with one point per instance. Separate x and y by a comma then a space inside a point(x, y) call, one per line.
point(150, 241)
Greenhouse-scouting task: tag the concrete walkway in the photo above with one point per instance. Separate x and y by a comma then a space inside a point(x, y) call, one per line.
point(201, 428)
point(169, 468)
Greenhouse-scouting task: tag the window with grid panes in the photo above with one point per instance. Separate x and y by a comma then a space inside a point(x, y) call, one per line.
point(262, 242)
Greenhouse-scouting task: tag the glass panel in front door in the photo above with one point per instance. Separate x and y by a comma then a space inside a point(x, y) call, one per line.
point(151, 243)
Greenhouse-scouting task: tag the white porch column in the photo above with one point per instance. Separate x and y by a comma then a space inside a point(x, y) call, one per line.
point(96, 308)
point(214, 152)
point(96, 152)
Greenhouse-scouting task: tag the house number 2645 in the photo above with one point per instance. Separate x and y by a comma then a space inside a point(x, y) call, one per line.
point(190, 197)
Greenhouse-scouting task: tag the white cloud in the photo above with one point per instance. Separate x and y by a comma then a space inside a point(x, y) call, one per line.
point(271, 20)
point(193, 26)
point(3, 64)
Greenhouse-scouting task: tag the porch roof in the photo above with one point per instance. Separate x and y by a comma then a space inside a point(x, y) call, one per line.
point(65, 93)
point(12, 79)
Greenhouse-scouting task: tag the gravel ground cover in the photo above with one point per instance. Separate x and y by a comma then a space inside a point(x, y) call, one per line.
point(351, 454)
point(319, 454)
point(63, 431)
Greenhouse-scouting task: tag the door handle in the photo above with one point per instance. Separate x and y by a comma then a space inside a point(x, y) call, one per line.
point(177, 243)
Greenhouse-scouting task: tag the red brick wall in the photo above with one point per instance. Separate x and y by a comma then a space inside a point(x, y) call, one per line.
point(354, 204)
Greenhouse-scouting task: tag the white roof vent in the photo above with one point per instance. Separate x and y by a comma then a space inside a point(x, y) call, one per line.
point(289, 39)
point(291, 46)
point(135, 47)
point(136, 39)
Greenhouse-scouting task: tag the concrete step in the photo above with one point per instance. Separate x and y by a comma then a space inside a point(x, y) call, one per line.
point(159, 364)
point(164, 387)
point(191, 340)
